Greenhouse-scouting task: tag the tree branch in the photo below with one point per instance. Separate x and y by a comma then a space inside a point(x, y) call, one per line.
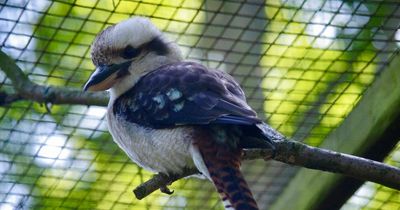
point(296, 153)
point(160, 180)
point(290, 152)
point(6, 98)
point(27, 90)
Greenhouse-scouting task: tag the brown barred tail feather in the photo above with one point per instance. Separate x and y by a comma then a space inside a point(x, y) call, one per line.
point(223, 164)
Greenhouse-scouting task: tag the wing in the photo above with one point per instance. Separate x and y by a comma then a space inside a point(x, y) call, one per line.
point(185, 93)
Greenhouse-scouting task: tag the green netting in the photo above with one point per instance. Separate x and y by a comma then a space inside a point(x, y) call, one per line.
point(303, 65)
point(373, 196)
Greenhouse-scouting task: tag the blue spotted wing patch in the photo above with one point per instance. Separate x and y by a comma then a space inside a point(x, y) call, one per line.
point(185, 93)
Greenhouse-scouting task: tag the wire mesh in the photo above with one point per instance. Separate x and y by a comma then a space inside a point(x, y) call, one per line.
point(372, 196)
point(303, 65)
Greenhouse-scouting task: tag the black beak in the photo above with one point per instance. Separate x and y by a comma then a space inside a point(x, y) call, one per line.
point(105, 76)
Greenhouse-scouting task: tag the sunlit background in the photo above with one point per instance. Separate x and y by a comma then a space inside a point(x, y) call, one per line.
point(304, 65)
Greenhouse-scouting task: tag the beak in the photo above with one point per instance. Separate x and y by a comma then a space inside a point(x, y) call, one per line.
point(105, 76)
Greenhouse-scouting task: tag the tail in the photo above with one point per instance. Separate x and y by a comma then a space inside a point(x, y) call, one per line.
point(232, 187)
point(222, 163)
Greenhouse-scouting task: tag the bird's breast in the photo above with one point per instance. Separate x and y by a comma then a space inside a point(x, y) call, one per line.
point(158, 150)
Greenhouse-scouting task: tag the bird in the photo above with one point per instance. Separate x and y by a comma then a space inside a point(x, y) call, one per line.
point(169, 114)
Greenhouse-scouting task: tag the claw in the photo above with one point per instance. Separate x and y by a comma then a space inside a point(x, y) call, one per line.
point(166, 190)
point(48, 107)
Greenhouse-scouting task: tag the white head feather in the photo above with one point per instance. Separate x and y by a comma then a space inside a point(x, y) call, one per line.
point(140, 30)
point(135, 32)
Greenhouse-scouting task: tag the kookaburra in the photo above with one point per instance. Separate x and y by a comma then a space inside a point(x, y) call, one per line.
point(169, 114)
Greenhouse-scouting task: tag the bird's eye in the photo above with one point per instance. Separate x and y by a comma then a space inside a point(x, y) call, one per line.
point(130, 52)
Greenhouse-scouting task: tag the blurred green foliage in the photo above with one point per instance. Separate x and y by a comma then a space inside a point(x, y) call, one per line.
point(304, 62)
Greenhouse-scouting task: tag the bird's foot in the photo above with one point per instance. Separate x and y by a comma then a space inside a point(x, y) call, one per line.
point(165, 189)
point(48, 98)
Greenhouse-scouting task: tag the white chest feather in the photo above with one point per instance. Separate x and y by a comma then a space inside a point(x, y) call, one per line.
point(158, 150)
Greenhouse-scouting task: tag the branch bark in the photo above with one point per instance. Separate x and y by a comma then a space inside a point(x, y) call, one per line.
point(6, 98)
point(290, 152)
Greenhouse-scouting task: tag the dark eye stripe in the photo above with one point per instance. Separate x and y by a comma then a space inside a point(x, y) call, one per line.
point(158, 46)
point(130, 52)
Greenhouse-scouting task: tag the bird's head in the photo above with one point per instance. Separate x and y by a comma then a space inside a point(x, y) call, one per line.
point(124, 52)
